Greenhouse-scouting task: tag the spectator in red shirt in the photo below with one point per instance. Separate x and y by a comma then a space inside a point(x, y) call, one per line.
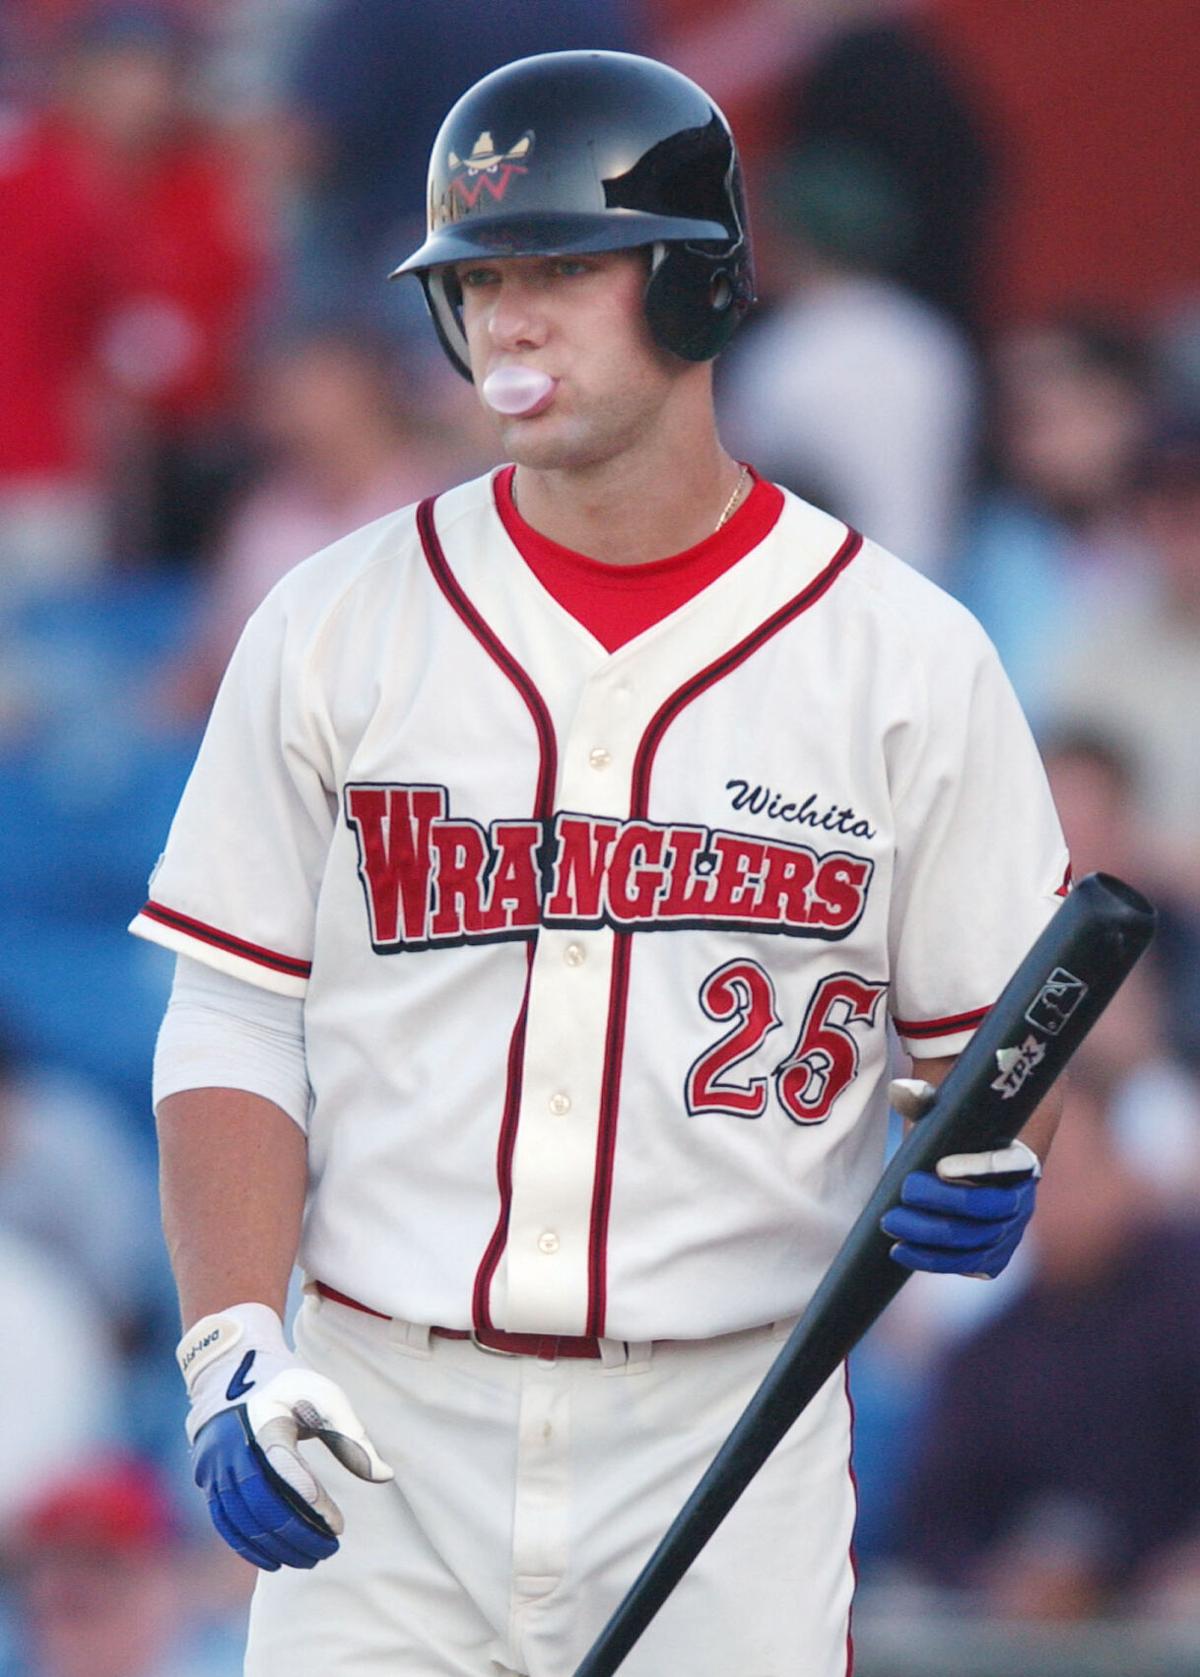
point(135, 270)
point(182, 264)
point(50, 505)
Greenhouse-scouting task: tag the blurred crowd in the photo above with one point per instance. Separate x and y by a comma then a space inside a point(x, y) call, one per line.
point(206, 377)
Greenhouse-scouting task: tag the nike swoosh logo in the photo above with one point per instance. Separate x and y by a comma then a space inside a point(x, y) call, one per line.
point(240, 1385)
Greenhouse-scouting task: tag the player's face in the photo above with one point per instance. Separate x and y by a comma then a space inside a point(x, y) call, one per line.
point(579, 319)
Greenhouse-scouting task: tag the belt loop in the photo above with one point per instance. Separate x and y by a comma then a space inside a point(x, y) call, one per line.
point(630, 1356)
point(411, 1336)
point(637, 1356)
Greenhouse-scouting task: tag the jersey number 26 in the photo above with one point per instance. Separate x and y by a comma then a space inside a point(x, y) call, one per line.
point(823, 1061)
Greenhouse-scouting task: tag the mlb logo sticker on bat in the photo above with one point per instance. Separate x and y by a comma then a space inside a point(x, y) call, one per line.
point(1059, 997)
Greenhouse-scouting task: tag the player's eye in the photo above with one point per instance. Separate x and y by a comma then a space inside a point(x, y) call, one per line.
point(567, 267)
point(472, 279)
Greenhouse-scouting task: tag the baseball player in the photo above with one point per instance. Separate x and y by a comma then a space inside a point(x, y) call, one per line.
point(560, 860)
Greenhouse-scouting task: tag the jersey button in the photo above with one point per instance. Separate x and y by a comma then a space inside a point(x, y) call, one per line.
point(599, 758)
point(559, 1104)
point(548, 1242)
point(574, 954)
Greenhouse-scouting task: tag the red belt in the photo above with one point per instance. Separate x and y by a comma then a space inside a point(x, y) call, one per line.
point(546, 1346)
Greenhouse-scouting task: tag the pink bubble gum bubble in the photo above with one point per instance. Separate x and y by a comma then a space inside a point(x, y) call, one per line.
point(517, 390)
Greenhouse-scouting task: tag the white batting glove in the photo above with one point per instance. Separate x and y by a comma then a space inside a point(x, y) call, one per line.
point(252, 1402)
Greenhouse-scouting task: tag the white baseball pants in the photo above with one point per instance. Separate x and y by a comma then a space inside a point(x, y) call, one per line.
point(528, 1495)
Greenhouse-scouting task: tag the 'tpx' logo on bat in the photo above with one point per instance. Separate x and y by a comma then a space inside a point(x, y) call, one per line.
point(487, 168)
point(1056, 1001)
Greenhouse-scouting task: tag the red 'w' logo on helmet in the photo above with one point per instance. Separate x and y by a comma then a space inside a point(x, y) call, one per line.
point(487, 169)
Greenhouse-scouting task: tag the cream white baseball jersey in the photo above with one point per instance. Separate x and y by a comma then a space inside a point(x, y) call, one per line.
point(599, 950)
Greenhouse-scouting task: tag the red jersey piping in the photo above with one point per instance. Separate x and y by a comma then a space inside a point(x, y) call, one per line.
point(622, 954)
point(543, 810)
point(214, 936)
point(942, 1027)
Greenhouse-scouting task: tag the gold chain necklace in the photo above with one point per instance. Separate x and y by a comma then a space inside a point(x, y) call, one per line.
point(731, 502)
point(721, 522)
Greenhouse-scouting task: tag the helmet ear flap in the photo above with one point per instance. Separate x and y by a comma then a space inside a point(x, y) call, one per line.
point(695, 299)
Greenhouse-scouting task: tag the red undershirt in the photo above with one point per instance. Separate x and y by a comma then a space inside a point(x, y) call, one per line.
point(617, 602)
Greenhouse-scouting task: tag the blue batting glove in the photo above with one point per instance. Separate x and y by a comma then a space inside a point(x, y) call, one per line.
point(954, 1228)
point(969, 1218)
point(252, 1402)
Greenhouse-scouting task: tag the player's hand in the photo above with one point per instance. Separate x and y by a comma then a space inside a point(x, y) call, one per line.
point(967, 1219)
point(252, 1402)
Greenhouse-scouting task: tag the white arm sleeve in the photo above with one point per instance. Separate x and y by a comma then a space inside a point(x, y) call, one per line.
point(220, 1032)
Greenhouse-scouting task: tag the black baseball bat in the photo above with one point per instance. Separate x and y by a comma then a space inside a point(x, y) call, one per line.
point(1046, 1009)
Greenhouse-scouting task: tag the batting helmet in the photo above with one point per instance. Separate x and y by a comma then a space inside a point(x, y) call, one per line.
point(569, 152)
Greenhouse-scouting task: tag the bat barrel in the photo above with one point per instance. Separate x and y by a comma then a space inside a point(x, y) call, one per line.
point(1048, 1006)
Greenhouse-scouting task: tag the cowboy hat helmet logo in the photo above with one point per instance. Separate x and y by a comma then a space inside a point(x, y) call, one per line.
point(488, 169)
